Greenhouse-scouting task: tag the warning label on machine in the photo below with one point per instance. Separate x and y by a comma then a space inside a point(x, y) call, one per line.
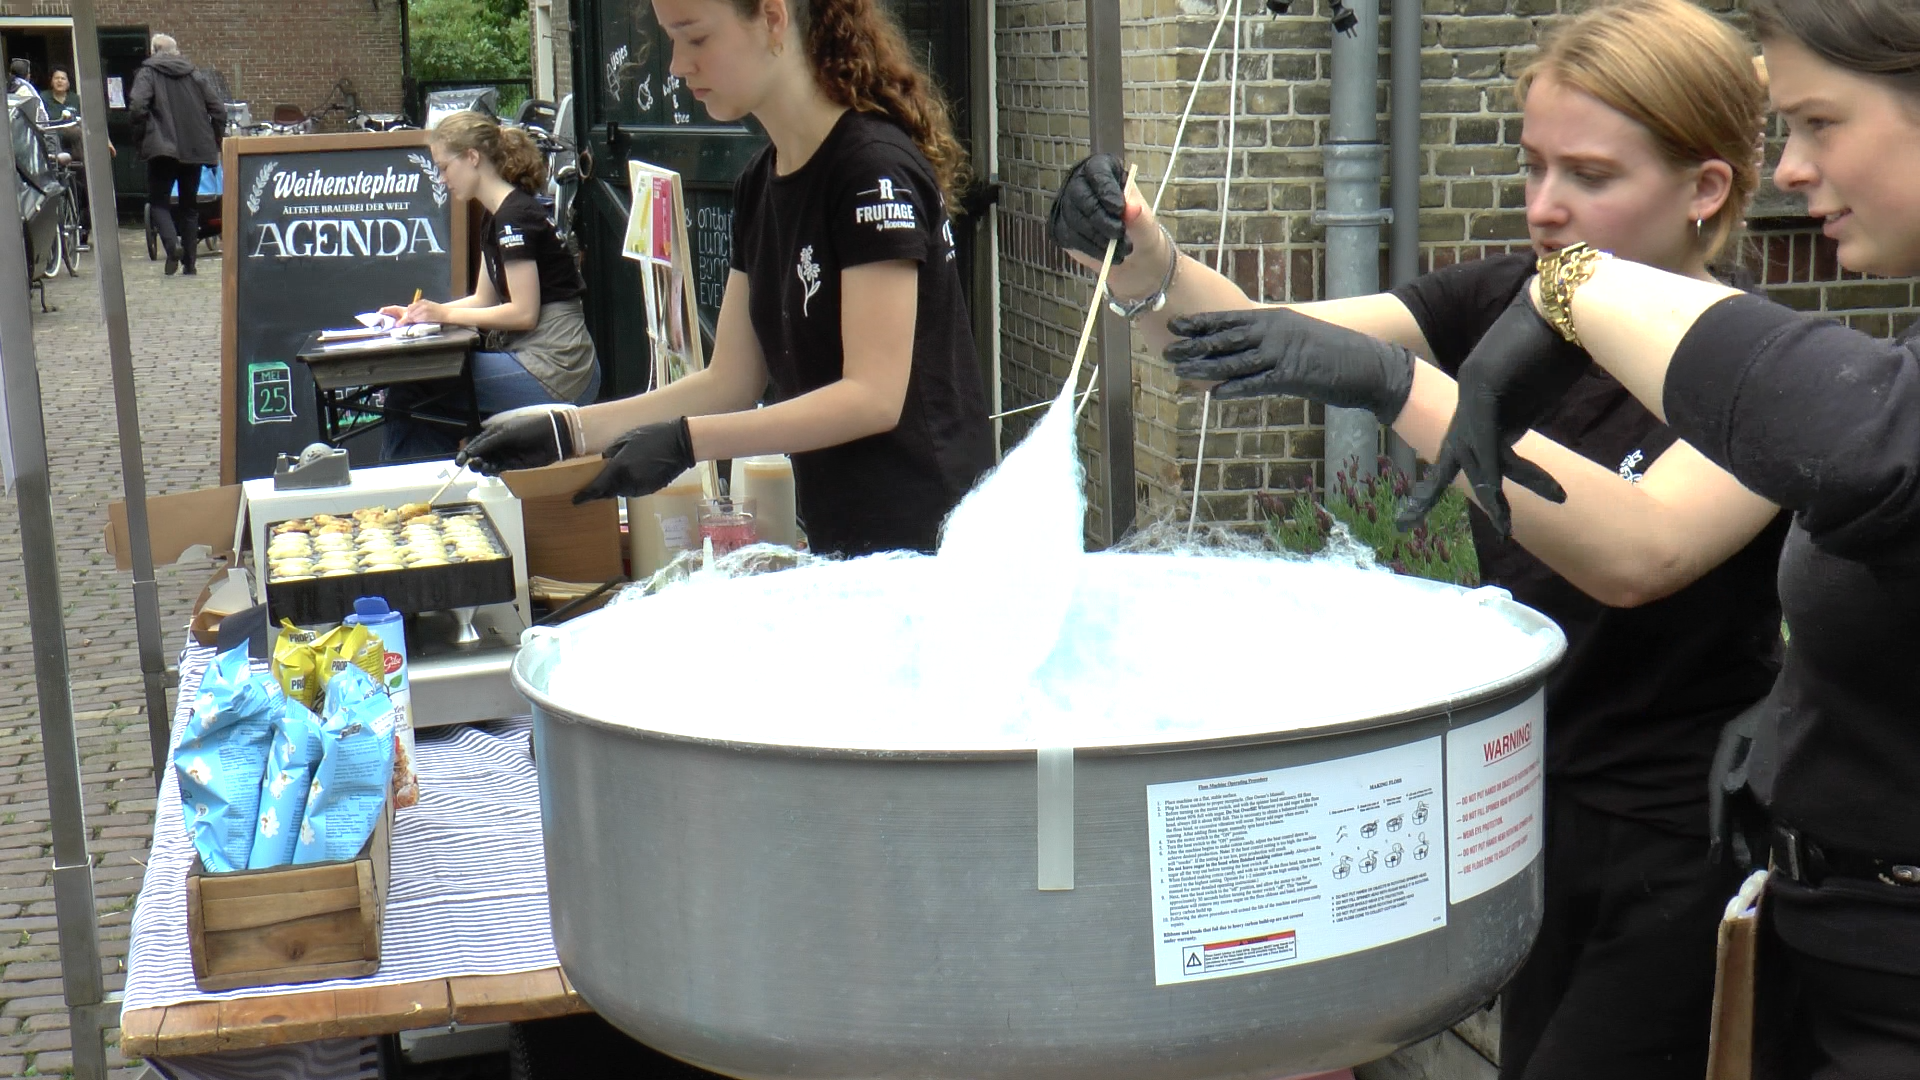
point(1495, 802)
point(1262, 870)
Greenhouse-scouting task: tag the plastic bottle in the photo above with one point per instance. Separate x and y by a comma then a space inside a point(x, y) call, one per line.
point(767, 480)
point(665, 523)
point(391, 627)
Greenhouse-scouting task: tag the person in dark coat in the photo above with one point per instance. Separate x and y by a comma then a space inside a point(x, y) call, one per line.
point(20, 90)
point(178, 119)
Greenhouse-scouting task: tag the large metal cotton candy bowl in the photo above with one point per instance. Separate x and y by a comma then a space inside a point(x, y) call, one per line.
point(769, 911)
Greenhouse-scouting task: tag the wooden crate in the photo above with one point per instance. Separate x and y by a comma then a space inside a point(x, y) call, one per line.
point(291, 924)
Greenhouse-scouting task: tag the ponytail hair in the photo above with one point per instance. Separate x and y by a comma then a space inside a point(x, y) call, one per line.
point(861, 61)
point(513, 152)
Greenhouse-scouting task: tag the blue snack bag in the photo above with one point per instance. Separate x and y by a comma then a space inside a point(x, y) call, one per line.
point(222, 756)
point(296, 753)
point(349, 790)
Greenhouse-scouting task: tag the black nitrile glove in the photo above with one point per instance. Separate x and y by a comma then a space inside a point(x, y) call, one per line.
point(1277, 351)
point(1514, 376)
point(519, 439)
point(642, 462)
point(1090, 210)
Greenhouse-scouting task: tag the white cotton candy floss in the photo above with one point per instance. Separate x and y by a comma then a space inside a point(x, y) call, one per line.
point(1014, 637)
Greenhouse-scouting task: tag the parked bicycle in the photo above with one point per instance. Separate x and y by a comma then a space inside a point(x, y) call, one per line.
point(70, 173)
point(551, 126)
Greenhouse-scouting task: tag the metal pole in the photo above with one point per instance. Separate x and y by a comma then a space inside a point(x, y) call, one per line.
point(1353, 216)
point(105, 222)
point(1403, 143)
point(26, 429)
point(980, 117)
point(406, 67)
point(1107, 117)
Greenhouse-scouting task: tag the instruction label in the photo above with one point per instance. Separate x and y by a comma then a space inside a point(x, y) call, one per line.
point(1262, 870)
point(1495, 799)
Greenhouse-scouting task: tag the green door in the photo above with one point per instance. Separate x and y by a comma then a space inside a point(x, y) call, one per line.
point(122, 50)
point(628, 107)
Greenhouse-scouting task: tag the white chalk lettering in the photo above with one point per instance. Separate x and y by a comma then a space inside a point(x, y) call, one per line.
point(315, 184)
point(332, 238)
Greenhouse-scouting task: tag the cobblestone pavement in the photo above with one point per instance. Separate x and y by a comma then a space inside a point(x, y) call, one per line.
point(176, 351)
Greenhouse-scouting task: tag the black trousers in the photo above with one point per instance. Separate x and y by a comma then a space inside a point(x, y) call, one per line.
point(1821, 1019)
point(1619, 985)
point(179, 227)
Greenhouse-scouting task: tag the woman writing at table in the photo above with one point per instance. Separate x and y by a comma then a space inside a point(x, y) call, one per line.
point(536, 350)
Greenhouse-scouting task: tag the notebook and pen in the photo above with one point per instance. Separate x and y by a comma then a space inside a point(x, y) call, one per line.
point(376, 326)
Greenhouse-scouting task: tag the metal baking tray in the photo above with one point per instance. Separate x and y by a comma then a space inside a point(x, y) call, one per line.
point(411, 590)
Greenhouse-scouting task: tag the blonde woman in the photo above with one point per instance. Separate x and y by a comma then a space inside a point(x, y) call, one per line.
point(1641, 119)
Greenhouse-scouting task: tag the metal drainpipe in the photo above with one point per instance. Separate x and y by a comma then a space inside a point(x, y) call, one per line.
point(1353, 215)
point(1403, 167)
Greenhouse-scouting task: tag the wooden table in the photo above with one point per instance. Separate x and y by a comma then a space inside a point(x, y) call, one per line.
point(435, 995)
point(347, 376)
point(303, 1015)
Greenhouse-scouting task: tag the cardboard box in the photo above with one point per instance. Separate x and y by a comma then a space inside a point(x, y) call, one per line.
point(180, 526)
point(564, 541)
point(228, 593)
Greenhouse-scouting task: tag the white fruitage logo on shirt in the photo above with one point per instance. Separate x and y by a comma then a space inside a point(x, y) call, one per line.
point(1629, 470)
point(511, 237)
point(890, 210)
point(809, 274)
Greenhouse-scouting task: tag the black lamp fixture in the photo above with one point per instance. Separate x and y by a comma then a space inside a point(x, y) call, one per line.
point(1344, 20)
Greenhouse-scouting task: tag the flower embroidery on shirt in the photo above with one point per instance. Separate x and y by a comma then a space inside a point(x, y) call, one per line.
point(809, 272)
point(1629, 470)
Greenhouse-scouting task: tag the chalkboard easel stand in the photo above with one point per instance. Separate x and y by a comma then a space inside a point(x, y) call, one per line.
point(376, 222)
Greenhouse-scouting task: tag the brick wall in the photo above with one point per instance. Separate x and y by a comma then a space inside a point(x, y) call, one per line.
point(1471, 198)
point(1040, 48)
point(562, 48)
point(271, 51)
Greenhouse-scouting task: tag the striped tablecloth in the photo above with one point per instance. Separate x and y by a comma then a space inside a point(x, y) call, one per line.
point(468, 895)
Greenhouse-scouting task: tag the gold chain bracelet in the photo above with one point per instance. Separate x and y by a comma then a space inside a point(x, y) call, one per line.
point(1561, 273)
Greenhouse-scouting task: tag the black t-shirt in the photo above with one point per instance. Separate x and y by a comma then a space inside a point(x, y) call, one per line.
point(866, 195)
point(520, 230)
point(1825, 421)
point(1635, 710)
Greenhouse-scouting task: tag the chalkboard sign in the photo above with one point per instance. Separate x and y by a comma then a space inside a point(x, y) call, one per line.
point(320, 228)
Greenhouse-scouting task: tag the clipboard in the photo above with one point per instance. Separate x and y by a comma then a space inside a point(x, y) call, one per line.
point(1730, 1046)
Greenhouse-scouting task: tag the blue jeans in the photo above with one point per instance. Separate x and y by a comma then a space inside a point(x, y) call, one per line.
point(499, 384)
